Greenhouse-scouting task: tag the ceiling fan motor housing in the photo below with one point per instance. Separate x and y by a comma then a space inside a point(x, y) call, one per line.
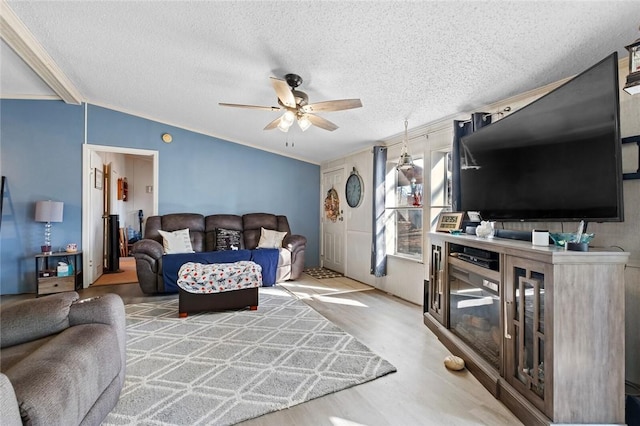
point(301, 98)
point(293, 80)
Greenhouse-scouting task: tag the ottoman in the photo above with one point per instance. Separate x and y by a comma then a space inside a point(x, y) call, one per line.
point(218, 286)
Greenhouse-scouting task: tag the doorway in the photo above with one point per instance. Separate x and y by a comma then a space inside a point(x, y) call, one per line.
point(333, 228)
point(95, 199)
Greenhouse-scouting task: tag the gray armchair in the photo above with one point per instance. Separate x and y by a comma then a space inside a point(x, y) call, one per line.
point(62, 360)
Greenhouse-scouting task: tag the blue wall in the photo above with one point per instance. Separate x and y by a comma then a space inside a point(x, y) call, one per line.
point(41, 156)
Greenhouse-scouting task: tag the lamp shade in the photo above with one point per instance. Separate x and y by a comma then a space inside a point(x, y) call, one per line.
point(49, 211)
point(405, 162)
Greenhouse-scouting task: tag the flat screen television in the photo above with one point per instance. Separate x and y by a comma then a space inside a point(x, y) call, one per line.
point(556, 159)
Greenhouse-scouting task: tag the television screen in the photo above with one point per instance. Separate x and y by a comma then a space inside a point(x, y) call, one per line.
point(558, 158)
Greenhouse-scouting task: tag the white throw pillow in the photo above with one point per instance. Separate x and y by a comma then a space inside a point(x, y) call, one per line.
point(270, 239)
point(176, 241)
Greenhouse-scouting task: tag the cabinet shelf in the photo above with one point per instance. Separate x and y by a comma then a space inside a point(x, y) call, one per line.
point(550, 305)
point(48, 282)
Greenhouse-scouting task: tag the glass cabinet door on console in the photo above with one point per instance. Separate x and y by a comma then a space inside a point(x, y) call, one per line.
point(527, 341)
point(474, 312)
point(437, 292)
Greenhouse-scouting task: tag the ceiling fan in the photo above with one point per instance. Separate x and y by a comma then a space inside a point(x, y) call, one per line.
point(296, 107)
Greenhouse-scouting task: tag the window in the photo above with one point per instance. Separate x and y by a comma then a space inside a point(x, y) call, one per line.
point(405, 192)
point(441, 186)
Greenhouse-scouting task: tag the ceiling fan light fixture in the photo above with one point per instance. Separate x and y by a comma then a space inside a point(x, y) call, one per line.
point(283, 127)
point(304, 122)
point(405, 162)
point(286, 121)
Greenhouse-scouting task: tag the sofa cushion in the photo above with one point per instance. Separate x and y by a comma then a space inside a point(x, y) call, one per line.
point(61, 385)
point(271, 239)
point(10, 356)
point(225, 221)
point(252, 223)
point(35, 318)
point(174, 221)
point(176, 241)
point(227, 239)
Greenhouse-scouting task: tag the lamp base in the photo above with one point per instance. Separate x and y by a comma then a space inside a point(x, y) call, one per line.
point(46, 249)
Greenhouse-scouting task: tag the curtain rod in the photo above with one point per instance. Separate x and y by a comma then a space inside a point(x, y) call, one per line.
point(484, 117)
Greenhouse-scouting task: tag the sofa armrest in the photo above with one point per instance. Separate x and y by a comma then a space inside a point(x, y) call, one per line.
point(294, 243)
point(9, 410)
point(33, 319)
point(147, 248)
point(107, 309)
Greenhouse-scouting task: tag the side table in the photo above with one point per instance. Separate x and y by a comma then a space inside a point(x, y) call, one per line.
point(47, 276)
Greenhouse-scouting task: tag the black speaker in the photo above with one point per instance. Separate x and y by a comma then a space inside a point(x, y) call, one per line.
point(513, 235)
point(113, 243)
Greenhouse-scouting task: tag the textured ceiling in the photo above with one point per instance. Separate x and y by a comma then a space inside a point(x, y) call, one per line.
point(174, 61)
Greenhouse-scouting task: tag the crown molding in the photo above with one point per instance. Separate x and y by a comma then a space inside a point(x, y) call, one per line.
point(19, 38)
point(194, 130)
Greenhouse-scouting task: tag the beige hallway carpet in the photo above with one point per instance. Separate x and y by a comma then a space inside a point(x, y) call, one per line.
point(125, 275)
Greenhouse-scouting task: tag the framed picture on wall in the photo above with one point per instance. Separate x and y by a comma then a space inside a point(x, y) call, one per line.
point(449, 221)
point(98, 179)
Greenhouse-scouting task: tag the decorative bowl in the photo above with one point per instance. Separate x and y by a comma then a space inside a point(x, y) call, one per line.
point(455, 231)
point(560, 238)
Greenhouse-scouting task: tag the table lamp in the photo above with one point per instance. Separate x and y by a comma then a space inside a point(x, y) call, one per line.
point(48, 211)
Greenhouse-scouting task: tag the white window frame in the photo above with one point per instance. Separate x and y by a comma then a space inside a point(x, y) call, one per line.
point(396, 205)
point(440, 188)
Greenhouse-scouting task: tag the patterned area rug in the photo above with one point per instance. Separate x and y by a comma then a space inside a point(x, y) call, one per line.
point(226, 367)
point(320, 273)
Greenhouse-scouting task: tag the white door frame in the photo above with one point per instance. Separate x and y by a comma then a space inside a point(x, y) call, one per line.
point(87, 149)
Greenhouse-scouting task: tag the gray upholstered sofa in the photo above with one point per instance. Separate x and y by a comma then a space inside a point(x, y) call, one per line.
point(62, 360)
point(148, 252)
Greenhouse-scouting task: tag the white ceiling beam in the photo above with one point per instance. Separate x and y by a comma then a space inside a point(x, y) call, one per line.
point(20, 39)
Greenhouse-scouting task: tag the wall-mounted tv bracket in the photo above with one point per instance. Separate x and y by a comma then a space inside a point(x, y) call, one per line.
point(636, 140)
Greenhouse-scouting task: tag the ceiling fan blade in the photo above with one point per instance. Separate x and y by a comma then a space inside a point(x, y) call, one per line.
point(273, 124)
point(266, 108)
point(321, 122)
point(284, 92)
point(337, 105)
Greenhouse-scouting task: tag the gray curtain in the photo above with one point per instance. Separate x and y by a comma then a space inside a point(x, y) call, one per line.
point(378, 248)
point(462, 128)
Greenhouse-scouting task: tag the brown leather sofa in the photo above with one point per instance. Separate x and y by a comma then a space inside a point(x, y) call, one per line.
point(148, 251)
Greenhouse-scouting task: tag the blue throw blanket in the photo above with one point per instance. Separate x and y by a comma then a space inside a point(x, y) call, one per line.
point(266, 258)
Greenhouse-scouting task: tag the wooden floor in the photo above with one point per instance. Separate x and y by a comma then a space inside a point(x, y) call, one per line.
point(421, 392)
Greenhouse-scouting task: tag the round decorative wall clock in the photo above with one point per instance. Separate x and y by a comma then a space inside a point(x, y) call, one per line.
point(354, 189)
